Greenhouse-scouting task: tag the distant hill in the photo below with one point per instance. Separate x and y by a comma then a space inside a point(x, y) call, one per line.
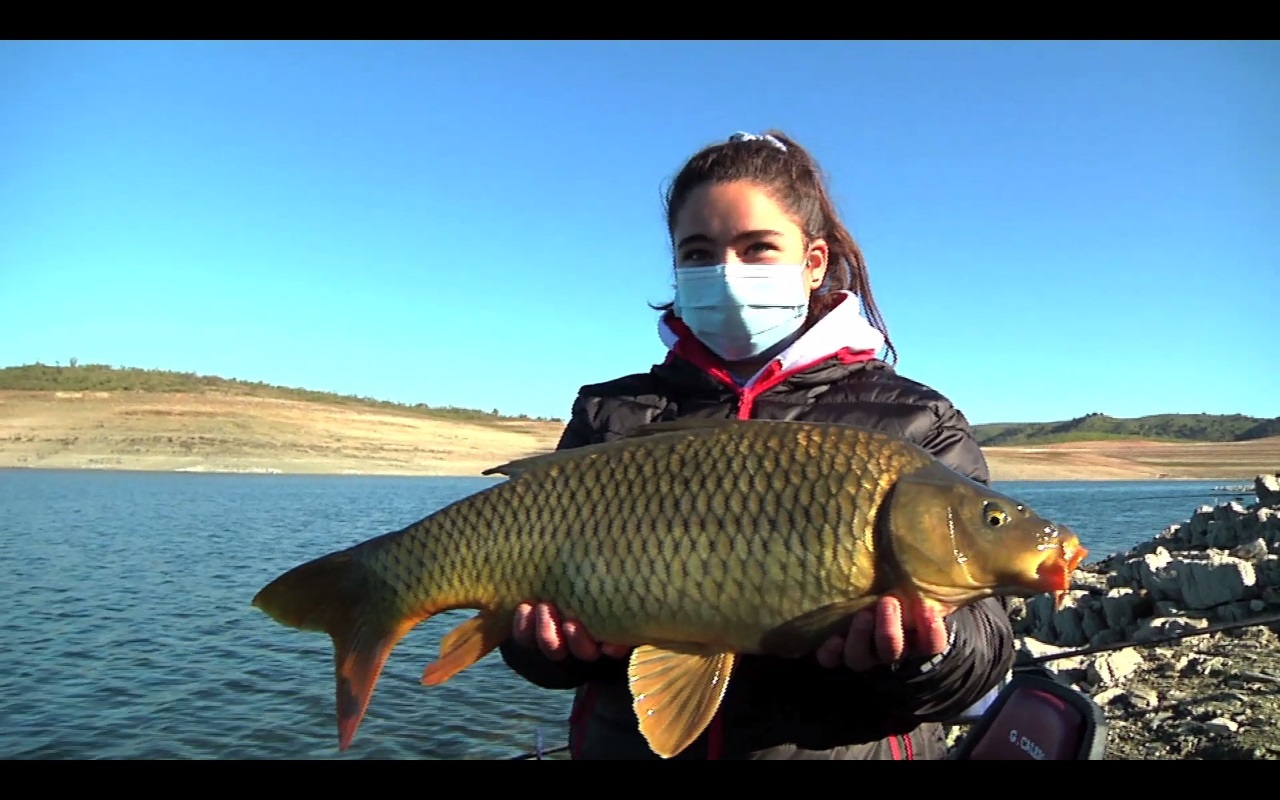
point(1091, 427)
point(103, 378)
point(1157, 427)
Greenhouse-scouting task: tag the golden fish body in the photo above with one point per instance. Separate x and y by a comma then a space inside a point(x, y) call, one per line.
point(694, 542)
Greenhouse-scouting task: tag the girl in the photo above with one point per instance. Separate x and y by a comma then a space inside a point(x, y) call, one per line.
point(768, 323)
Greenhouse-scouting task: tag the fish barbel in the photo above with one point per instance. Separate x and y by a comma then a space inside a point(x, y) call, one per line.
point(693, 541)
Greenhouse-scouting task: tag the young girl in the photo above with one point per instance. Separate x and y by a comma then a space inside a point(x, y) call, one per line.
point(768, 323)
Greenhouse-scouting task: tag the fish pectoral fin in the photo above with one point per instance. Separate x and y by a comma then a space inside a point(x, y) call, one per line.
point(467, 644)
point(676, 691)
point(806, 632)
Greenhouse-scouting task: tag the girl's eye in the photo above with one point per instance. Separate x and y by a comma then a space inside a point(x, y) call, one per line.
point(698, 256)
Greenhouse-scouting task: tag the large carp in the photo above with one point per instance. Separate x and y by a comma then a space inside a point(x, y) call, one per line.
point(693, 541)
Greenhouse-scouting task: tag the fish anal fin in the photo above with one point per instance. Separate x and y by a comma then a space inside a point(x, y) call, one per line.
point(804, 633)
point(467, 644)
point(676, 691)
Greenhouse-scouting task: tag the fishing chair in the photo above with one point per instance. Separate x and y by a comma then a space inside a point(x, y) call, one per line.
point(1036, 716)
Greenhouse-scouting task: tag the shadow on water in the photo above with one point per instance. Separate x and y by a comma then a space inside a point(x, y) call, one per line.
point(131, 635)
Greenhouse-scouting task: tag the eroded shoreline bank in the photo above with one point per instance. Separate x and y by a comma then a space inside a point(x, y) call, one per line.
point(223, 433)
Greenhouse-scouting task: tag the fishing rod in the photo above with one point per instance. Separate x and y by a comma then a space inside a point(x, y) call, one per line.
point(538, 752)
point(1268, 619)
point(1192, 496)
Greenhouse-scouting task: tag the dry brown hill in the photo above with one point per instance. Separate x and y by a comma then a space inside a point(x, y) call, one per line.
point(228, 432)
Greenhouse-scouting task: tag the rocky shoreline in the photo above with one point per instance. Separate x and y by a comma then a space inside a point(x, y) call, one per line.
point(1210, 696)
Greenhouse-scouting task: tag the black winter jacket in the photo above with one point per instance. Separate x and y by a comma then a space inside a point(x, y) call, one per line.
point(790, 708)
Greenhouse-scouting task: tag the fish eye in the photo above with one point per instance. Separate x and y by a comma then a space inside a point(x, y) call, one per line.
point(994, 515)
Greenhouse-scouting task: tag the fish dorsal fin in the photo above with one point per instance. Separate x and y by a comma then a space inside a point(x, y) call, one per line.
point(676, 691)
point(676, 428)
point(519, 466)
point(685, 425)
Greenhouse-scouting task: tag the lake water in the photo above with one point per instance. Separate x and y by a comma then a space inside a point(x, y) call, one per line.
point(128, 630)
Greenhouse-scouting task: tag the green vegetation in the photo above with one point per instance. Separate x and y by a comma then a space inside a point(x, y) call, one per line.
point(1157, 427)
point(101, 378)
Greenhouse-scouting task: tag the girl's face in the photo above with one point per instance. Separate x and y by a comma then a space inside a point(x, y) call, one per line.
point(739, 223)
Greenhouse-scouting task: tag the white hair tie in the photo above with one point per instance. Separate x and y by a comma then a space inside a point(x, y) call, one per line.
point(742, 136)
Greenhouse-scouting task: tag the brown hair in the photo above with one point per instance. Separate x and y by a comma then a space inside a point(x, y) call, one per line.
point(794, 180)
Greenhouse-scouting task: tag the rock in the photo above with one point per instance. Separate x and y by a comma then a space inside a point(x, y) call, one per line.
point(1260, 677)
point(1203, 665)
point(1268, 524)
point(1123, 606)
point(1267, 489)
point(1235, 612)
point(1106, 637)
point(1199, 581)
point(1218, 566)
point(1089, 582)
point(1030, 648)
point(1194, 696)
point(1256, 549)
point(1143, 698)
point(1068, 620)
point(1035, 648)
point(1108, 696)
point(1111, 668)
point(1160, 627)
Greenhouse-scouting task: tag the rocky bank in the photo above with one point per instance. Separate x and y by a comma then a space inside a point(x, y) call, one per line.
point(1212, 696)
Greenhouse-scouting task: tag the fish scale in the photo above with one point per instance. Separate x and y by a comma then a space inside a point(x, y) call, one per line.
point(719, 533)
point(693, 542)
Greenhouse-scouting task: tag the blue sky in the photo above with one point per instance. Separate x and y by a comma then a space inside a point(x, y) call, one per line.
point(1051, 229)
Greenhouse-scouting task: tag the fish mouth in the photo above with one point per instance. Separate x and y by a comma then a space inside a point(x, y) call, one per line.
point(1053, 575)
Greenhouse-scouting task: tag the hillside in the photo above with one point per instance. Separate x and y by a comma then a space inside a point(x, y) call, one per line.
point(95, 417)
point(1154, 428)
point(98, 417)
point(102, 378)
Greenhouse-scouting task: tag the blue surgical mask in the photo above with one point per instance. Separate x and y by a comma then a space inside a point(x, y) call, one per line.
point(742, 310)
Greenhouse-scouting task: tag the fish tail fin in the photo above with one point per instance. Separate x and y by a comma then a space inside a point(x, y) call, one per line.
point(338, 595)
